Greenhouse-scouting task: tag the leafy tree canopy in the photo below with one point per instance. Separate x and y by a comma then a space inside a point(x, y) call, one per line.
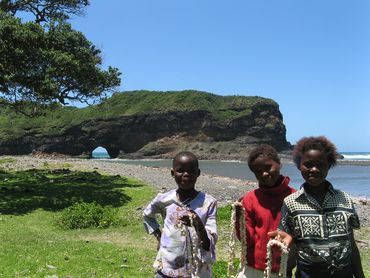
point(47, 63)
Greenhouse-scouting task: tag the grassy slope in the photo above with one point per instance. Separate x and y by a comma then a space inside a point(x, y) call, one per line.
point(32, 245)
point(128, 103)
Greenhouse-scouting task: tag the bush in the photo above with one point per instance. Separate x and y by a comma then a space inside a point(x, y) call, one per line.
point(85, 215)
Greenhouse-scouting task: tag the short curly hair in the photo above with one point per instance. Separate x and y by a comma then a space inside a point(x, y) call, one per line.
point(320, 143)
point(263, 150)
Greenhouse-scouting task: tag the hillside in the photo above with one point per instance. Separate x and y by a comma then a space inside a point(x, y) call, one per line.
point(146, 123)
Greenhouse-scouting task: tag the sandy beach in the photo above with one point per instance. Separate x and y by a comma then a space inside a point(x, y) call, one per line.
point(224, 189)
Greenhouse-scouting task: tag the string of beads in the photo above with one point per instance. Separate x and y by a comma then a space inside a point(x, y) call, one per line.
point(231, 271)
point(191, 245)
point(284, 257)
point(241, 271)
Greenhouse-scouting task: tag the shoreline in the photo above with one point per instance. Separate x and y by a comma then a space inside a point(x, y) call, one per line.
point(226, 190)
point(284, 160)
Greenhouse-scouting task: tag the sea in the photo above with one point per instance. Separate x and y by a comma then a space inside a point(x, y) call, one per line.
point(351, 178)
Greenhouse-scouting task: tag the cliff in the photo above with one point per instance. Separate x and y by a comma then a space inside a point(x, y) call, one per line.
point(150, 124)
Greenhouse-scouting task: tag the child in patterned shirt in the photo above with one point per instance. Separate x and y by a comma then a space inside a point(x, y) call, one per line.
point(180, 206)
point(319, 218)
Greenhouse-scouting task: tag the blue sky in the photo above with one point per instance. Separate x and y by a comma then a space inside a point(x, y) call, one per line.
point(312, 57)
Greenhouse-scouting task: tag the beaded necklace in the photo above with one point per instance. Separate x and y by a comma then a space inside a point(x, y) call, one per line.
point(191, 242)
point(241, 271)
point(284, 257)
point(243, 240)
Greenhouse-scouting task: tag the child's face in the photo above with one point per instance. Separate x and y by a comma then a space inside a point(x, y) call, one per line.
point(185, 171)
point(266, 170)
point(314, 167)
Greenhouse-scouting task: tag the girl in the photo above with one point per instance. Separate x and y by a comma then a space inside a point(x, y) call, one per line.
point(319, 218)
point(262, 207)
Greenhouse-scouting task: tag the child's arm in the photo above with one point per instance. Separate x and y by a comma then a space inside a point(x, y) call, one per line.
point(150, 223)
point(249, 219)
point(238, 214)
point(286, 227)
point(202, 233)
point(210, 232)
point(354, 223)
point(158, 235)
point(356, 260)
point(292, 260)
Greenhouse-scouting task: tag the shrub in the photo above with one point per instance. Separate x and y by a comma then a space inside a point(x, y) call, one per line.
point(85, 215)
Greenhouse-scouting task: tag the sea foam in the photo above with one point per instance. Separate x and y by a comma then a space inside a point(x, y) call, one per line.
point(356, 156)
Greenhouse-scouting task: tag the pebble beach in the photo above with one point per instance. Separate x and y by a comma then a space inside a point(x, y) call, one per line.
point(224, 189)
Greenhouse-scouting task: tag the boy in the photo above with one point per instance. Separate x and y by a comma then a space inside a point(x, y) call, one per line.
point(178, 206)
point(319, 218)
point(262, 207)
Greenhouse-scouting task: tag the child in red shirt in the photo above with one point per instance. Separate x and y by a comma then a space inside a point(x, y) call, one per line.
point(262, 208)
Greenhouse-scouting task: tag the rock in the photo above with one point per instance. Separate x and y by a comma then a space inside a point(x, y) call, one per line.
point(49, 266)
point(212, 133)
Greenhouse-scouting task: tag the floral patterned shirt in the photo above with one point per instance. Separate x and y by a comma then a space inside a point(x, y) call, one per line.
point(171, 258)
point(322, 234)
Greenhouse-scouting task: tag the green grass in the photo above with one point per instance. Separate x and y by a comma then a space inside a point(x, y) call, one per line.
point(6, 161)
point(33, 245)
point(363, 244)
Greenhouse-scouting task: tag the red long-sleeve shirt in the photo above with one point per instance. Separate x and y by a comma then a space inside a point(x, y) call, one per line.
point(262, 207)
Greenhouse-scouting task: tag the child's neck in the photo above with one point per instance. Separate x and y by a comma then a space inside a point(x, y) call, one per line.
point(185, 194)
point(318, 192)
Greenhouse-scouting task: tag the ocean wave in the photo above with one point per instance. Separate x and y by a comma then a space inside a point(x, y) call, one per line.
point(356, 156)
point(232, 160)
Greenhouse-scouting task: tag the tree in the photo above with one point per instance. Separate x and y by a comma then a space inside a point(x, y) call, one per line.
point(45, 10)
point(47, 63)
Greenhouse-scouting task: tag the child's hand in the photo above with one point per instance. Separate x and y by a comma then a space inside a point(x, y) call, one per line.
point(197, 222)
point(281, 236)
point(198, 226)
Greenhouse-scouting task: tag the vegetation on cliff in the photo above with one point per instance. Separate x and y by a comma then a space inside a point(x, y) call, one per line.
point(56, 120)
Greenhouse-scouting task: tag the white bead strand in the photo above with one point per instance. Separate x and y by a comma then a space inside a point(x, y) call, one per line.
point(284, 258)
point(243, 241)
point(191, 246)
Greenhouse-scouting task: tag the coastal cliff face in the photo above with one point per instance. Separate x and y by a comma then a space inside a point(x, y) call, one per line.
point(159, 133)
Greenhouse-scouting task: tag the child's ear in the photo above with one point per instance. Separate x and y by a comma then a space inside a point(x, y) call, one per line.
point(172, 173)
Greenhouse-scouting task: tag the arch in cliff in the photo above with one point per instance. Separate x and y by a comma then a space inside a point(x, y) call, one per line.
point(100, 152)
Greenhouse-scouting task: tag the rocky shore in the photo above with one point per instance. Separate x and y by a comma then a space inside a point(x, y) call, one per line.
point(224, 189)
